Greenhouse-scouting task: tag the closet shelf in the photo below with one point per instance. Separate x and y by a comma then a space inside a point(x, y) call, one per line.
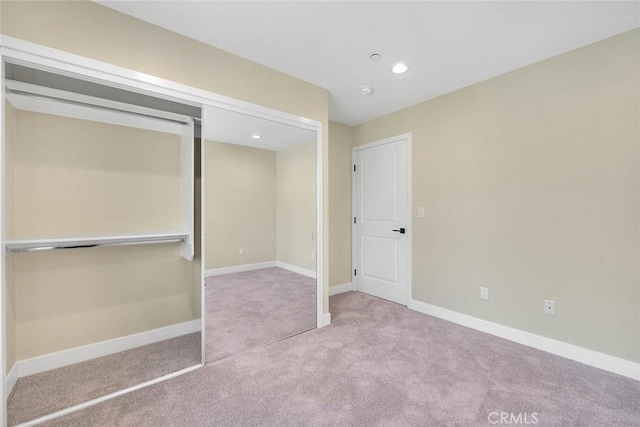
point(39, 245)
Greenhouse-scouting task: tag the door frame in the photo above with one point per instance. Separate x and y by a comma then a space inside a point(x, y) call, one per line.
point(406, 137)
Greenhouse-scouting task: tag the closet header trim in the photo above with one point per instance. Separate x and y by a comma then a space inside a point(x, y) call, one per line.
point(43, 92)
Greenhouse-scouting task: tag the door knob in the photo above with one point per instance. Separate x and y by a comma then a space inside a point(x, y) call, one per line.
point(400, 230)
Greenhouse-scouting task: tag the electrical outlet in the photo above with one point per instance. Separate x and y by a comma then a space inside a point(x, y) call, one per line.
point(313, 255)
point(241, 251)
point(549, 307)
point(421, 212)
point(484, 293)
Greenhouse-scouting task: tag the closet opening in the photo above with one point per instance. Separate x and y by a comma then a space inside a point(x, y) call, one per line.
point(102, 269)
point(103, 236)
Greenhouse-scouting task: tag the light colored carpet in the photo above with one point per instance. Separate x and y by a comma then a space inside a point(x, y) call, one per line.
point(47, 392)
point(244, 310)
point(378, 364)
point(249, 309)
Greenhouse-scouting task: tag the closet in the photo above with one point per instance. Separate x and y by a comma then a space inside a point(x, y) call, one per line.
point(102, 271)
point(102, 228)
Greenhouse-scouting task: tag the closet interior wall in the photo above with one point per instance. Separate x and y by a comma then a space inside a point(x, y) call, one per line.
point(75, 177)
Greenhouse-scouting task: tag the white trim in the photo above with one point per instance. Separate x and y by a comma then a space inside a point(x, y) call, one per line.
point(12, 379)
point(4, 393)
point(409, 235)
point(593, 358)
point(59, 359)
point(203, 249)
point(340, 289)
point(61, 96)
point(326, 319)
point(296, 269)
point(187, 168)
point(46, 106)
point(239, 268)
point(409, 290)
point(106, 397)
point(320, 289)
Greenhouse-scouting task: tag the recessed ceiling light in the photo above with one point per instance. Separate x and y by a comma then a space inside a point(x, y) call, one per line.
point(375, 57)
point(400, 68)
point(256, 136)
point(366, 90)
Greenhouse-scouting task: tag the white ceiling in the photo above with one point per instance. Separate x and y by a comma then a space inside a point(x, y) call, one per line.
point(449, 45)
point(236, 128)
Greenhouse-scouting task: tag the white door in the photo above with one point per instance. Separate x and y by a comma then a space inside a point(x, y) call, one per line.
point(381, 228)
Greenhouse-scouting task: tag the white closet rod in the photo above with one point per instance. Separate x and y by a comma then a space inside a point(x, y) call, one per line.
point(77, 243)
point(47, 93)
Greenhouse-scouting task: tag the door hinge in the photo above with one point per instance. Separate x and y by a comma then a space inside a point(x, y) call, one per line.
point(355, 272)
point(354, 168)
point(354, 219)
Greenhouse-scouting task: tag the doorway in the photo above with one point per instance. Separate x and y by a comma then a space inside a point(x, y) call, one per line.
point(381, 228)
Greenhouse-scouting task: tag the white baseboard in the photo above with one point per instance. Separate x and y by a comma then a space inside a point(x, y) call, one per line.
point(593, 358)
point(259, 266)
point(296, 269)
point(239, 268)
point(87, 352)
point(12, 378)
point(326, 319)
point(340, 289)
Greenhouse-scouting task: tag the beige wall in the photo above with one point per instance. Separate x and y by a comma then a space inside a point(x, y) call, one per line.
point(9, 199)
point(240, 204)
point(75, 177)
point(530, 182)
point(10, 315)
point(66, 299)
point(296, 205)
point(129, 178)
point(339, 203)
point(262, 201)
point(100, 33)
